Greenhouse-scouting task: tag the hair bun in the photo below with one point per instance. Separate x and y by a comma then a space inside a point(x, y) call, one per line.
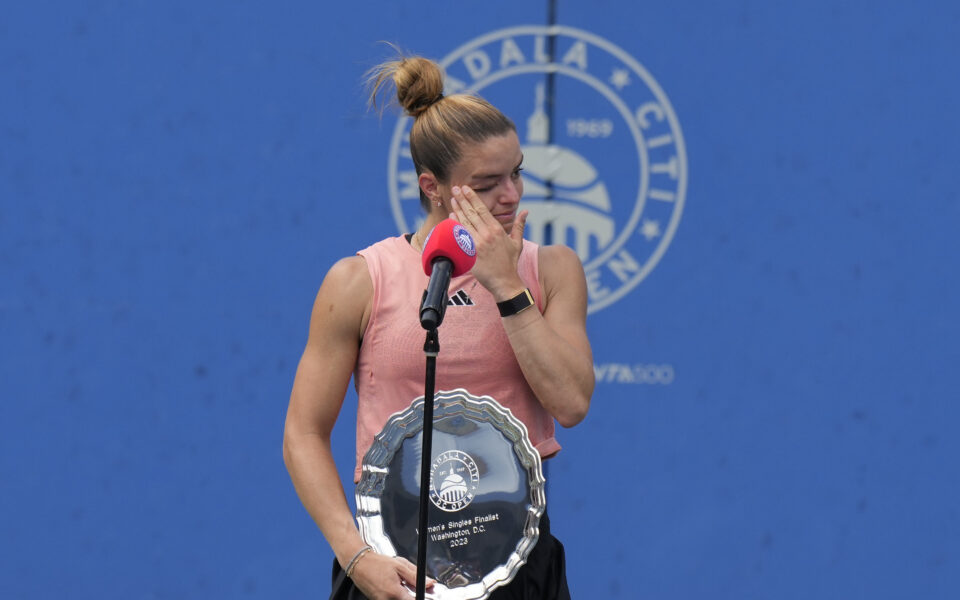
point(419, 83)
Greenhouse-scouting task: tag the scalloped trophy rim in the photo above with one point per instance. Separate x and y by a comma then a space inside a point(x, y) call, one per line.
point(407, 423)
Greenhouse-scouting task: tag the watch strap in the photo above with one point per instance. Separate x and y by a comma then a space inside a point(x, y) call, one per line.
point(518, 303)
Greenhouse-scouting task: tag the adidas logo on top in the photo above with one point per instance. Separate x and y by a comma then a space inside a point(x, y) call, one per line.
point(460, 299)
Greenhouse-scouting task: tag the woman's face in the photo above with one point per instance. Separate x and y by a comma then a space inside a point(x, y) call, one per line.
point(492, 169)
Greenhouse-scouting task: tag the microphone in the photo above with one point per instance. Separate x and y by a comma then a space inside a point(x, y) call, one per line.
point(448, 252)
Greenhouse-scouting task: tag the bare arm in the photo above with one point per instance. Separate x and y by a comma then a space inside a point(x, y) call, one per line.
point(551, 347)
point(339, 317)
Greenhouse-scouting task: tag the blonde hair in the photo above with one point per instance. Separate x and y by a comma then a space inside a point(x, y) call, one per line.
point(442, 125)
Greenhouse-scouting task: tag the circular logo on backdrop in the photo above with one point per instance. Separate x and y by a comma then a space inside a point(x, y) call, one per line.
point(453, 480)
point(605, 174)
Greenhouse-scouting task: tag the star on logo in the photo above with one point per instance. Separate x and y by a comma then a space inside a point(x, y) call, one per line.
point(620, 78)
point(650, 229)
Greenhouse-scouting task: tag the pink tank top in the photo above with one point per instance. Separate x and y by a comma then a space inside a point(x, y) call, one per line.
point(475, 353)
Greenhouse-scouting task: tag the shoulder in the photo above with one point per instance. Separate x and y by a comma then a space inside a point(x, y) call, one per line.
point(345, 295)
point(561, 273)
point(559, 255)
point(559, 262)
point(348, 274)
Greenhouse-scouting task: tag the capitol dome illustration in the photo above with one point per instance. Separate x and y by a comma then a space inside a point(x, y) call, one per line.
point(453, 488)
point(562, 189)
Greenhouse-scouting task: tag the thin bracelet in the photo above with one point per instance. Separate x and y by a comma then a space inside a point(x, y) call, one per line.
point(356, 558)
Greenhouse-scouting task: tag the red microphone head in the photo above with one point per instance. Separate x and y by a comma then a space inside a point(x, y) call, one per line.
point(449, 239)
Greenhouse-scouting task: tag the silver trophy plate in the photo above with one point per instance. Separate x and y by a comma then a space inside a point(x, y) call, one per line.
point(486, 494)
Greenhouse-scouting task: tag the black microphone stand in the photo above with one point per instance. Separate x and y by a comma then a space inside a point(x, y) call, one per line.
point(431, 347)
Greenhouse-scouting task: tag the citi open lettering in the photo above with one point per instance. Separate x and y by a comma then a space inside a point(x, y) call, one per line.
point(610, 183)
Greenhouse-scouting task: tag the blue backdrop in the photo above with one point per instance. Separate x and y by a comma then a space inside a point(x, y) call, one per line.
point(767, 197)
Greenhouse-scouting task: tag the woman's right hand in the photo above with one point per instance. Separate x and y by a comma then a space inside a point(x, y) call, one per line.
point(382, 577)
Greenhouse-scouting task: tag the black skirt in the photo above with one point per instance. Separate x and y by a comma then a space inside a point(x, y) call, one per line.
point(543, 577)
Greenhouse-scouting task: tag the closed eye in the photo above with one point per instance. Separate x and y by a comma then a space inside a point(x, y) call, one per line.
point(515, 174)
